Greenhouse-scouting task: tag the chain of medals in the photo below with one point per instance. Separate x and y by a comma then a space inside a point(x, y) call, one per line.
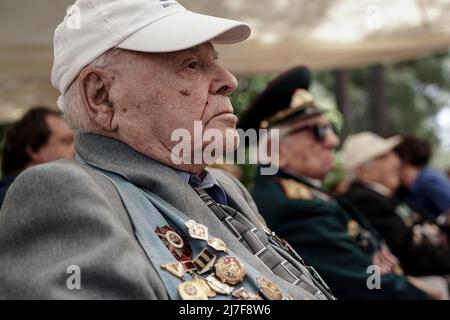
point(211, 275)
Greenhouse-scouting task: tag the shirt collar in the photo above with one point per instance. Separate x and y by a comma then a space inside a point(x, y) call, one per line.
point(208, 181)
point(379, 188)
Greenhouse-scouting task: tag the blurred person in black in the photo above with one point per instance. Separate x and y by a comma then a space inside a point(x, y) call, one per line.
point(374, 171)
point(428, 189)
point(40, 136)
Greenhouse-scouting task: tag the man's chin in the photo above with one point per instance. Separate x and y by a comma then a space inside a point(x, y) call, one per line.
point(226, 140)
point(232, 140)
point(222, 121)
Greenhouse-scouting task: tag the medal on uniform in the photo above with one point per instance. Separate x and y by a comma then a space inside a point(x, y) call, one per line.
point(189, 266)
point(230, 270)
point(177, 269)
point(174, 239)
point(204, 261)
point(269, 289)
point(217, 244)
point(204, 284)
point(190, 223)
point(178, 246)
point(295, 190)
point(218, 286)
point(197, 230)
point(191, 290)
point(244, 294)
point(353, 228)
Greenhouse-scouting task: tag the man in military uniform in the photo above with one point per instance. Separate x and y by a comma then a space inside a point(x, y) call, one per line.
point(335, 239)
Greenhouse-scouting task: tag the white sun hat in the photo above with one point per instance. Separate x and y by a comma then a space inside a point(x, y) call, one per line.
point(363, 147)
point(92, 27)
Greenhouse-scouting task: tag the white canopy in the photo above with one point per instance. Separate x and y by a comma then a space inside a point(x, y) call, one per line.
point(322, 34)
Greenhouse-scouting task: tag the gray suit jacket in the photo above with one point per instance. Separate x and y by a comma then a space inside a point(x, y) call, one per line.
point(63, 213)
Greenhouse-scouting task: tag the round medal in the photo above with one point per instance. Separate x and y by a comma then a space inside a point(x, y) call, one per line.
point(230, 270)
point(174, 239)
point(192, 290)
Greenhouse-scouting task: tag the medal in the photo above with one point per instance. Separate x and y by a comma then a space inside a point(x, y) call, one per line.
point(204, 261)
point(269, 289)
point(189, 266)
point(197, 230)
point(217, 244)
point(174, 239)
point(244, 294)
point(353, 228)
point(218, 286)
point(204, 285)
point(190, 223)
point(177, 269)
point(179, 247)
point(191, 290)
point(230, 270)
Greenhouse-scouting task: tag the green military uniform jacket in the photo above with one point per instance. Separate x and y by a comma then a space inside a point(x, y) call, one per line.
point(331, 236)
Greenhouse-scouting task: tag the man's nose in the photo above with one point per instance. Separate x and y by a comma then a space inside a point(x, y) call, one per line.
point(331, 139)
point(223, 83)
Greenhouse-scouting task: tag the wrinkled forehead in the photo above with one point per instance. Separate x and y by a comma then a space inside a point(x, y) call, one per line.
point(205, 49)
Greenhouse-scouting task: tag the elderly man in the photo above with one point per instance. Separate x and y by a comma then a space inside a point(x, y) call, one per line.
point(130, 220)
point(40, 136)
point(335, 239)
point(374, 168)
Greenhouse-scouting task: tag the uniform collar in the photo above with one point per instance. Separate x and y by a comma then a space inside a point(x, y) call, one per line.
point(310, 182)
point(378, 188)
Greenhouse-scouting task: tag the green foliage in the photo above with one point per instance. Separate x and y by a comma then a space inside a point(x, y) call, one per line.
point(247, 90)
point(415, 92)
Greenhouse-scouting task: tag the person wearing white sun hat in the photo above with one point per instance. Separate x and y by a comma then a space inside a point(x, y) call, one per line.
point(374, 171)
point(126, 220)
point(360, 148)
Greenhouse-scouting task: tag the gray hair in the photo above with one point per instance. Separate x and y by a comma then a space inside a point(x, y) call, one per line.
point(70, 101)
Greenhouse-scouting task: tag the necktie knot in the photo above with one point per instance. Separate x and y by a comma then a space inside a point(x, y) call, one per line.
point(195, 181)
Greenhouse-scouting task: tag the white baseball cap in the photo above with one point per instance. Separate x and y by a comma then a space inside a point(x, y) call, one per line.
point(92, 27)
point(363, 147)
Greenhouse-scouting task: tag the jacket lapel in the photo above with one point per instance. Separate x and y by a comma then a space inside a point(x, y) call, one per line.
point(162, 181)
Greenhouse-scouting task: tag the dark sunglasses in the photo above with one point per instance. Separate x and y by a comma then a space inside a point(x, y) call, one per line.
point(319, 130)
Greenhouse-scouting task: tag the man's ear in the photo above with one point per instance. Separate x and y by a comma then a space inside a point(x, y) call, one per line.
point(35, 156)
point(282, 158)
point(94, 86)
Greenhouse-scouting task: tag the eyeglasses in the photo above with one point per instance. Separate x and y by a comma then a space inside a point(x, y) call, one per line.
point(319, 130)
